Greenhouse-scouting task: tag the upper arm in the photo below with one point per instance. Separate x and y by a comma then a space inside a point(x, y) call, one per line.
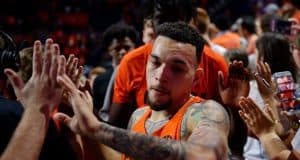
point(122, 88)
point(210, 127)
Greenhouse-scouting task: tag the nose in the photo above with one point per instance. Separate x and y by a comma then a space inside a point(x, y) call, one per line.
point(162, 74)
point(122, 52)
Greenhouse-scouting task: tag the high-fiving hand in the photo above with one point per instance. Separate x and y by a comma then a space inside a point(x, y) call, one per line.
point(42, 90)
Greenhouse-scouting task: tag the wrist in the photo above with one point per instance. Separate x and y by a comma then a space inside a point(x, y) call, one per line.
point(42, 110)
point(264, 137)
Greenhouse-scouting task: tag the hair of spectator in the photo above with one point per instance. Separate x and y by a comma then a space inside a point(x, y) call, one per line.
point(176, 10)
point(182, 32)
point(119, 31)
point(275, 50)
point(248, 23)
point(238, 55)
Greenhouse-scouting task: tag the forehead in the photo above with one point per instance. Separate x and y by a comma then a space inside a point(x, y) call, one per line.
point(166, 48)
point(124, 41)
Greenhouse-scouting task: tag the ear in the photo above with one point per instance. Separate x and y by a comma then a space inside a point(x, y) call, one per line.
point(198, 75)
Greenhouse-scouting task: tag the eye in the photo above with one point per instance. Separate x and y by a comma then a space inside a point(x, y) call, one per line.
point(155, 63)
point(177, 69)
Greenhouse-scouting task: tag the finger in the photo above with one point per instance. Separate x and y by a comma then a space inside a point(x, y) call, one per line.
point(55, 59)
point(261, 82)
point(15, 80)
point(253, 107)
point(37, 58)
point(89, 97)
point(70, 64)
point(78, 75)
point(63, 118)
point(263, 69)
point(67, 84)
point(70, 59)
point(245, 118)
point(244, 106)
point(221, 83)
point(268, 68)
point(62, 65)
point(269, 111)
point(249, 109)
point(73, 69)
point(47, 57)
point(258, 68)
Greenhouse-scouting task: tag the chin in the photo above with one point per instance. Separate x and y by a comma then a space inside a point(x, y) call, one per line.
point(159, 105)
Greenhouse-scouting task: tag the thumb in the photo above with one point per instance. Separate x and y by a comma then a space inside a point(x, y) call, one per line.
point(15, 81)
point(63, 118)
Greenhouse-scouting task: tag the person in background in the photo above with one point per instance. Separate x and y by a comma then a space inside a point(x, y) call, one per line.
point(118, 40)
point(225, 37)
point(273, 49)
point(248, 31)
point(148, 31)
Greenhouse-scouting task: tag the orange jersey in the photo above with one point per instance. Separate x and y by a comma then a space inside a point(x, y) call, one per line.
point(171, 129)
point(228, 40)
point(211, 62)
point(130, 83)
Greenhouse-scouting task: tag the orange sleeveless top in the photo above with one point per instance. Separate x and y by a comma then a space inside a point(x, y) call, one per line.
point(171, 129)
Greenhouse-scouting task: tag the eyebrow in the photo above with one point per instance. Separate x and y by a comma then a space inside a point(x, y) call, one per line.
point(175, 60)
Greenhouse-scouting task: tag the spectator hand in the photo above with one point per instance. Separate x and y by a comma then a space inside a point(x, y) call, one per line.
point(41, 92)
point(83, 122)
point(256, 120)
point(264, 81)
point(237, 84)
point(74, 72)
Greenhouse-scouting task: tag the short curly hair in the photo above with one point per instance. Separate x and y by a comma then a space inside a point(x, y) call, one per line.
point(182, 32)
point(119, 31)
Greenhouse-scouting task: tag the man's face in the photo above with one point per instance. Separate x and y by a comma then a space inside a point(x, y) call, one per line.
point(119, 47)
point(170, 73)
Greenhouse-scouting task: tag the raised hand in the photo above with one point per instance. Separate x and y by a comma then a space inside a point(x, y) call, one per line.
point(83, 122)
point(42, 91)
point(264, 81)
point(256, 120)
point(237, 84)
point(73, 70)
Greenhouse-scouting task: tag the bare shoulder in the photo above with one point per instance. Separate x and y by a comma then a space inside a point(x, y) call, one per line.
point(135, 116)
point(210, 114)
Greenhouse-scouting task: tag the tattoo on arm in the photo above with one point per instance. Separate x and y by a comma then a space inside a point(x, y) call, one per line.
point(211, 127)
point(211, 114)
point(140, 146)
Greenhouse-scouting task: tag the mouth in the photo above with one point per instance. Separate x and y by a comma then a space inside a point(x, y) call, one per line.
point(160, 90)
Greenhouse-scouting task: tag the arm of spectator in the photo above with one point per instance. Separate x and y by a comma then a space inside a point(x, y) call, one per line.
point(263, 126)
point(267, 89)
point(40, 95)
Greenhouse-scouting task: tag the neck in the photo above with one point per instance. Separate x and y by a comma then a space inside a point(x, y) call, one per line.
point(159, 115)
point(164, 114)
